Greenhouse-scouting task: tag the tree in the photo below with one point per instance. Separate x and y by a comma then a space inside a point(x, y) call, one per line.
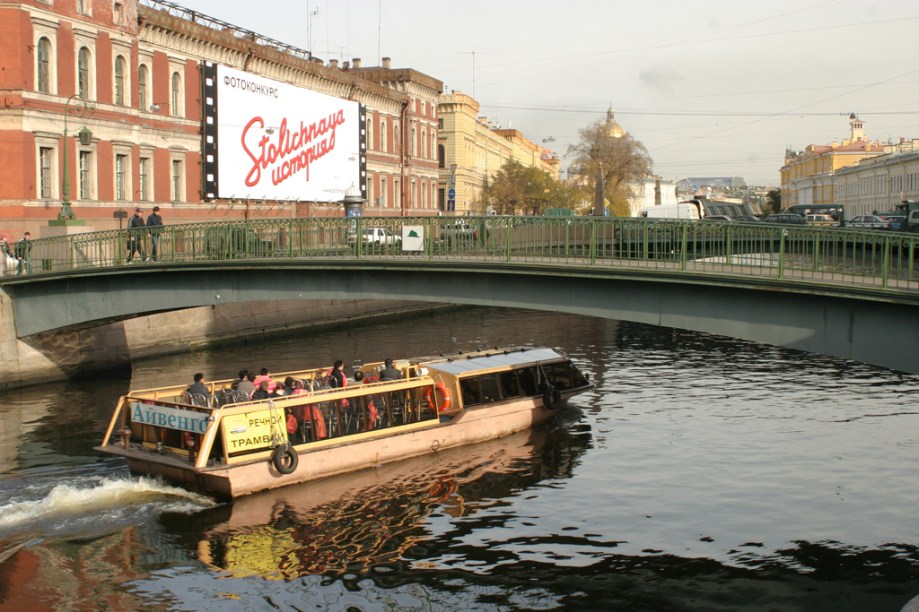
point(774, 199)
point(605, 149)
point(518, 189)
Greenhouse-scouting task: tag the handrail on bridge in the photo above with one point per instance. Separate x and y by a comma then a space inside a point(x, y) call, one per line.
point(824, 255)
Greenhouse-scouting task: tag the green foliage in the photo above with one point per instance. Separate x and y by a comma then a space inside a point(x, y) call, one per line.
point(517, 189)
point(774, 200)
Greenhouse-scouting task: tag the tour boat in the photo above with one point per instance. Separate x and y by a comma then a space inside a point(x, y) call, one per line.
point(228, 445)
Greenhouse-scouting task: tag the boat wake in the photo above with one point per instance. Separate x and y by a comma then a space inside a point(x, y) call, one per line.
point(91, 507)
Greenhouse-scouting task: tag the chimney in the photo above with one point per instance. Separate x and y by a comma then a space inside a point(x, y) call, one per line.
point(333, 64)
point(346, 65)
point(356, 62)
point(387, 62)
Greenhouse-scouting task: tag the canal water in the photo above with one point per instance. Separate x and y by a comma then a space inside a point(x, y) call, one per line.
point(701, 473)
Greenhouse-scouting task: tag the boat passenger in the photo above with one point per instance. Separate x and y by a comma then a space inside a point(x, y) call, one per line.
point(293, 428)
point(262, 392)
point(280, 390)
point(264, 374)
point(390, 372)
point(199, 386)
point(245, 383)
point(336, 376)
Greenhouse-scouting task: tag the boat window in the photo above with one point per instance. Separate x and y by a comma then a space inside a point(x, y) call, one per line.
point(509, 385)
point(527, 379)
point(489, 386)
point(472, 395)
point(564, 375)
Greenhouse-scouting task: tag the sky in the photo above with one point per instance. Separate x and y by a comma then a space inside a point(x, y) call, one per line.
point(709, 87)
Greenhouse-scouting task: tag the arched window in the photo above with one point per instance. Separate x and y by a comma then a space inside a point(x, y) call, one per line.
point(44, 65)
point(424, 144)
point(175, 95)
point(120, 72)
point(142, 78)
point(83, 64)
point(383, 139)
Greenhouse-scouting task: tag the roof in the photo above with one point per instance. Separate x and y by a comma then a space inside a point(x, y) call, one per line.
point(515, 357)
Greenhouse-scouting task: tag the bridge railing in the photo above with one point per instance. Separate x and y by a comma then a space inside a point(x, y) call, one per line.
point(816, 254)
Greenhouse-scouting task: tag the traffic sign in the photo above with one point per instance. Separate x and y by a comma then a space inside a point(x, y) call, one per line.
point(451, 194)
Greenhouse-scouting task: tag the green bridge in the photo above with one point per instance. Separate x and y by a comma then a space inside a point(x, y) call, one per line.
point(840, 292)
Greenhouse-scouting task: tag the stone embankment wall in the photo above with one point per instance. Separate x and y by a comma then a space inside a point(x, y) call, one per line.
point(59, 356)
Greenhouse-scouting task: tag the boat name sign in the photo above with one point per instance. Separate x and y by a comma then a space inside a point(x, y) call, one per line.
point(172, 418)
point(253, 430)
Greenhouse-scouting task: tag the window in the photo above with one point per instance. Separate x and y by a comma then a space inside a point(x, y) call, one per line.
point(424, 144)
point(84, 7)
point(144, 178)
point(177, 183)
point(83, 64)
point(440, 123)
point(441, 155)
point(382, 192)
point(142, 77)
point(175, 96)
point(120, 70)
point(121, 169)
point(45, 154)
point(85, 178)
point(44, 65)
point(383, 135)
point(411, 145)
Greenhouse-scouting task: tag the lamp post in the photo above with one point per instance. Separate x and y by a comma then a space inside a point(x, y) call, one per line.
point(66, 215)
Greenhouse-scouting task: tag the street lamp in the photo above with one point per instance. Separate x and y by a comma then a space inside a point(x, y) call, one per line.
point(85, 136)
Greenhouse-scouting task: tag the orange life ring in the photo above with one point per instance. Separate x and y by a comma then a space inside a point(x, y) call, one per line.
point(444, 399)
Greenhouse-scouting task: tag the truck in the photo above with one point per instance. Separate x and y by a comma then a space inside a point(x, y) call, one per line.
point(910, 212)
point(692, 210)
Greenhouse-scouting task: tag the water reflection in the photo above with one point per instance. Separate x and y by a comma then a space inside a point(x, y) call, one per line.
point(361, 522)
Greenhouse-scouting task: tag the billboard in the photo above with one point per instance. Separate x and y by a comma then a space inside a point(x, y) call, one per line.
point(268, 140)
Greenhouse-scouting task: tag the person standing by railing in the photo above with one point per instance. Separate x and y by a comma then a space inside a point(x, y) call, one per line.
point(155, 226)
point(135, 235)
point(24, 254)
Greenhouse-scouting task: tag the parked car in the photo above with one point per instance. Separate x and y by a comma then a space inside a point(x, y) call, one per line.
point(721, 218)
point(458, 232)
point(897, 221)
point(786, 218)
point(820, 220)
point(868, 222)
point(377, 237)
point(747, 219)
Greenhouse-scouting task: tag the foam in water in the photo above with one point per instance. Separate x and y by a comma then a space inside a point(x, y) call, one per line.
point(97, 498)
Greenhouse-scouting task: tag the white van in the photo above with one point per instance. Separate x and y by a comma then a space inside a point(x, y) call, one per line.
point(691, 210)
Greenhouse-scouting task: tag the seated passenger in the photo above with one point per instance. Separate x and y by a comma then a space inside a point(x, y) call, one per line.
point(293, 428)
point(264, 375)
point(390, 372)
point(262, 392)
point(336, 375)
point(199, 386)
point(245, 383)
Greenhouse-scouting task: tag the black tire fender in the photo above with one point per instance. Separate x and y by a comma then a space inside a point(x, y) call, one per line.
point(552, 397)
point(285, 459)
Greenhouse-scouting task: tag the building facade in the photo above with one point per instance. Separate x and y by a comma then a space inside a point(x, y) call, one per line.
point(879, 183)
point(471, 151)
point(807, 176)
point(102, 107)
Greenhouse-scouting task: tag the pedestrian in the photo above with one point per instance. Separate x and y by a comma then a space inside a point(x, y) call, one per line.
point(135, 235)
point(23, 254)
point(154, 226)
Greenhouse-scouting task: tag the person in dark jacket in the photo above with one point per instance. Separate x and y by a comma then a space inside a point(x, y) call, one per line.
point(23, 253)
point(199, 386)
point(154, 226)
point(136, 236)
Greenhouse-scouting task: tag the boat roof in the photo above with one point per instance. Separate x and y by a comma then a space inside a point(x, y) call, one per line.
point(458, 365)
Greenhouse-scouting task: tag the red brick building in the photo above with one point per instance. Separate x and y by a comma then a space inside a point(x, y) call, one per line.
point(122, 79)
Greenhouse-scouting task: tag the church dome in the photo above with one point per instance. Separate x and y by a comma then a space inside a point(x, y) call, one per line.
point(613, 129)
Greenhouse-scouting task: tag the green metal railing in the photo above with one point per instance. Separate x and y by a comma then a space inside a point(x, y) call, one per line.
point(833, 256)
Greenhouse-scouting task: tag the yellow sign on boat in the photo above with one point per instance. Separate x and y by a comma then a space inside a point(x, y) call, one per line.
point(254, 430)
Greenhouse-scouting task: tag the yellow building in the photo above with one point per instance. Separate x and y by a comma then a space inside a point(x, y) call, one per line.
point(471, 151)
point(807, 176)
